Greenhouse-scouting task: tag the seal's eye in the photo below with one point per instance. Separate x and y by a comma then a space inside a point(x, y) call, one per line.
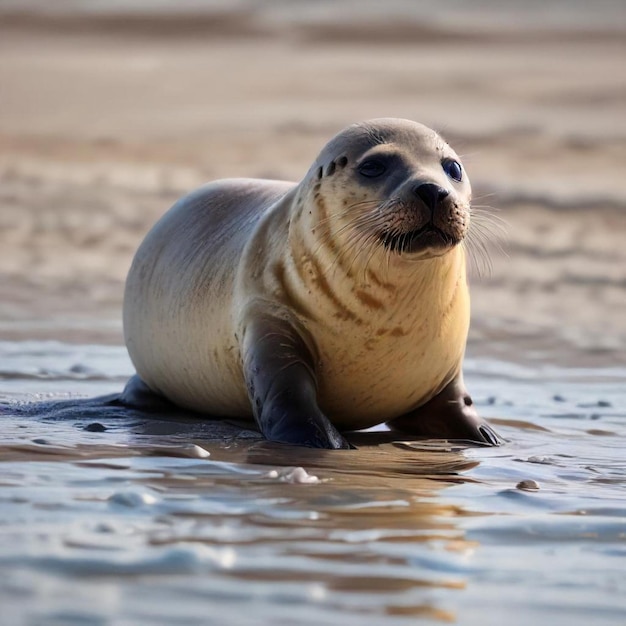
point(372, 168)
point(453, 169)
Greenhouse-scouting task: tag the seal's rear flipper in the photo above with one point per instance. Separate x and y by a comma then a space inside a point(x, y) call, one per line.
point(137, 395)
point(136, 401)
point(449, 415)
point(137, 410)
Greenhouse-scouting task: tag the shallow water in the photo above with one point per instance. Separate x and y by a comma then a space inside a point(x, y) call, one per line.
point(121, 521)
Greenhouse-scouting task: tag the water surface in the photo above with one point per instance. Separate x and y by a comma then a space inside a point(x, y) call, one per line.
point(124, 521)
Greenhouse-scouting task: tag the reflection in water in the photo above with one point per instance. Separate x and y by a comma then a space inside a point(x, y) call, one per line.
point(369, 536)
point(109, 517)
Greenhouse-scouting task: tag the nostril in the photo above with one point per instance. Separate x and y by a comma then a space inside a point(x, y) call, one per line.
point(430, 194)
point(489, 435)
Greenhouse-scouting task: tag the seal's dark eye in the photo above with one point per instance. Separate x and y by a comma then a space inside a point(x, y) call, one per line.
point(453, 169)
point(372, 168)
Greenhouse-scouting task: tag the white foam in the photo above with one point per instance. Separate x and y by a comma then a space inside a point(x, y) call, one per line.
point(293, 475)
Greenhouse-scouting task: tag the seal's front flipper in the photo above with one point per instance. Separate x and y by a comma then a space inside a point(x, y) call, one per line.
point(280, 376)
point(449, 415)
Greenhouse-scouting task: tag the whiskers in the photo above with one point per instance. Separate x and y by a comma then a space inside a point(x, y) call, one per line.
point(487, 232)
point(369, 229)
point(357, 238)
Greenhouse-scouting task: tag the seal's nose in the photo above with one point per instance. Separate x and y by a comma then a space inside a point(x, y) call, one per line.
point(431, 195)
point(489, 435)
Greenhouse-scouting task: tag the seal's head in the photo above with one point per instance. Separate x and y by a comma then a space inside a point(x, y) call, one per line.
point(395, 184)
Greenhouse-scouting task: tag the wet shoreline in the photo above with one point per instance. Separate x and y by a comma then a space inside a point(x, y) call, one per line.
point(115, 519)
point(145, 510)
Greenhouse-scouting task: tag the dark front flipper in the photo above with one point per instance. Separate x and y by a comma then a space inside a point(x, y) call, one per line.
point(449, 415)
point(280, 376)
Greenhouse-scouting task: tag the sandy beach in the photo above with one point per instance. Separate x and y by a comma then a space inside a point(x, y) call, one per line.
point(111, 110)
point(106, 119)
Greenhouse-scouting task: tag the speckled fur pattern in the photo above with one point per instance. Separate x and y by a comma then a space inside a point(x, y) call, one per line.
point(385, 328)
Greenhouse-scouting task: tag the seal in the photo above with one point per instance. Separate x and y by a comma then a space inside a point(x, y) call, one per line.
point(318, 307)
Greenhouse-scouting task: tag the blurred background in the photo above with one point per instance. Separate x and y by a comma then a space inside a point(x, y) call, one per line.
point(110, 110)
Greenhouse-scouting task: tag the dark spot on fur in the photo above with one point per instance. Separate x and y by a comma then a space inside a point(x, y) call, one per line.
point(342, 161)
point(320, 171)
point(348, 317)
point(379, 282)
point(368, 300)
point(330, 170)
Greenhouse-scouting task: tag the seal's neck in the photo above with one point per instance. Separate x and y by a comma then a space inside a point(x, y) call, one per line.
point(409, 282)
point(350, 271)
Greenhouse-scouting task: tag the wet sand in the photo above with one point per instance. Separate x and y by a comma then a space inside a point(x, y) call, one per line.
point(105, 122)
point(106, 119)
point(122, 519)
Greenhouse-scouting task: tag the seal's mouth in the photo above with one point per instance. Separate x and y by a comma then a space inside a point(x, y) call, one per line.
point(428, 236)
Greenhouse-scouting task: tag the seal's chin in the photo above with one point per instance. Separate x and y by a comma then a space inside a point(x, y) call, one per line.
point(428, 237)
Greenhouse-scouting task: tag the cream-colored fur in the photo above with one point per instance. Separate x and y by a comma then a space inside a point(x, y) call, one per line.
point(388, 330)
